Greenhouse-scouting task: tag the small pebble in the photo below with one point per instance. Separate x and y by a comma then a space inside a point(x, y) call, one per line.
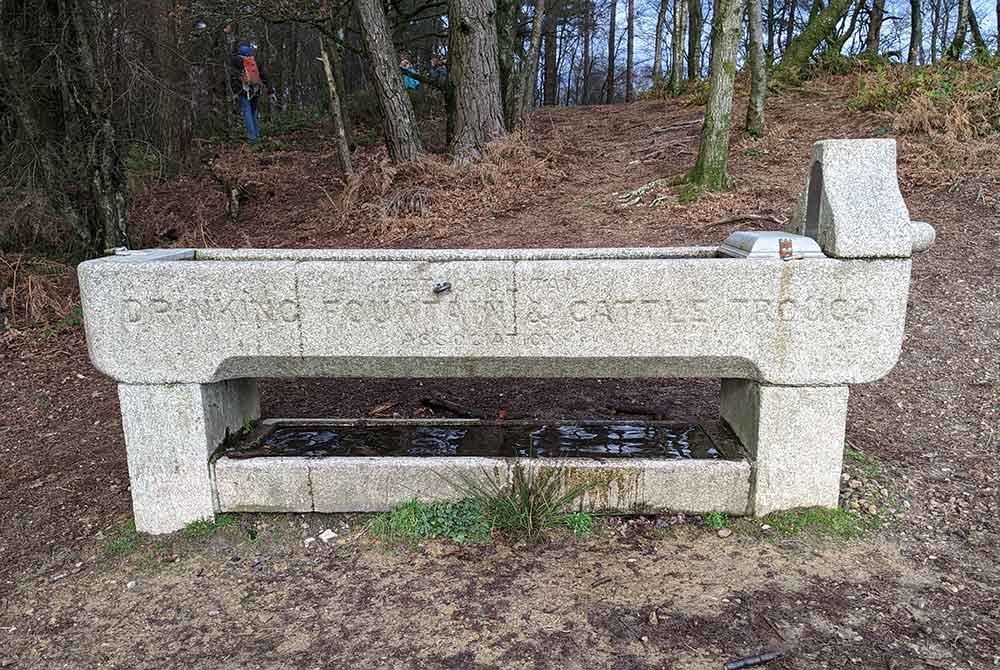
point(725, 532)
point(130, 585)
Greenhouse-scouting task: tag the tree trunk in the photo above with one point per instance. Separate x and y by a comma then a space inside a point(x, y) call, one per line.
point(585, 74)
point(835, 44)
point(819, 29)
point(336, 111)
point(935, 22)
point(661, 19)
point(399, 122)
point(472, 50)
point(175, 123)
point(758, 71)
point(630, 52)
point(790, 23)
point(961, 28)
point(875, 27)
point(677, 46)
point(916, 33)
point(529, 76)
point(506, 18)
point(611, 53)
point(977, 35)
point(694, 40)
point(770, 31)
point(550, 90)
point(62, 104)
point(710, 170)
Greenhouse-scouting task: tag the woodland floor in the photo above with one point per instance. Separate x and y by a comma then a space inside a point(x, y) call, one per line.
point(922, 591)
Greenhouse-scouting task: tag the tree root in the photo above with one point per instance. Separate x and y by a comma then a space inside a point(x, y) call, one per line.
point(634, 197)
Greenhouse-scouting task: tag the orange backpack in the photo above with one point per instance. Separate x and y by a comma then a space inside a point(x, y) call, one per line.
point(251, 73)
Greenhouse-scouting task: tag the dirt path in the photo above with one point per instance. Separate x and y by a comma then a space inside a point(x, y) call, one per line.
point(923, 592)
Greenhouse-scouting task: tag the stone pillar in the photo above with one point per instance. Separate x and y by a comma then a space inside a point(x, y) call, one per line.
point(170, 432)
point(795, 435)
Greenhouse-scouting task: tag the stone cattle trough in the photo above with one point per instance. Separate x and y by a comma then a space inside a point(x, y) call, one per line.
point(787, 320)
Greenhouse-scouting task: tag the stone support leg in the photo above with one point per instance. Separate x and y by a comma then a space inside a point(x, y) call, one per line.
point(170, 432)
point(795, 435)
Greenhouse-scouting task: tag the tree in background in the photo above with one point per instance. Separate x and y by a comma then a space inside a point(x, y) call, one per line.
point(472, 50)
point(758, 70)
point(398, 120)
point(820, 26)
point(694, 39)
point(52, 81)
point(914, 54)
point(677, 46)
point(529, 71)
point(630, 53)
point(661, 20)
point(611, 53)
point(710, 169)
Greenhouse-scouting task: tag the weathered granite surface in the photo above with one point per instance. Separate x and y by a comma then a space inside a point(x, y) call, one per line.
point(378, 484)
point(851, 204)
point(796, 439)
point(811, 321)
point(186, 332)
point(263, 485)
point(170, 432)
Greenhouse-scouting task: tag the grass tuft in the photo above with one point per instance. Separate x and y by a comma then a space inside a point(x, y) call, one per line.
point(581, 523)
point(870, 465)
point(533, 501)
point(413, 522)
point(821, 521)
point(716, 520)
point(126, 541)
point(207, 527)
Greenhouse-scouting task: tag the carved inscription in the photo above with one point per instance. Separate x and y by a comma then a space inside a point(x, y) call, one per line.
point(211, 310)
point(490, 311)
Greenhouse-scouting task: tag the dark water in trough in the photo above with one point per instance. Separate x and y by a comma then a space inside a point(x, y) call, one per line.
point(599, 440)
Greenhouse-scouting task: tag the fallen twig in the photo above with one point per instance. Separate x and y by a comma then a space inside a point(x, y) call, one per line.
point(751, 661)
point(453, 407)
point(631, 630)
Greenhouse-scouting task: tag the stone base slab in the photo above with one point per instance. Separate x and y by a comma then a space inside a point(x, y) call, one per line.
point(366, 484)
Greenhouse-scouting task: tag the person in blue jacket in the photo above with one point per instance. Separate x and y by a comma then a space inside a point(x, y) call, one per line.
point(408, 81)
point(249, 81)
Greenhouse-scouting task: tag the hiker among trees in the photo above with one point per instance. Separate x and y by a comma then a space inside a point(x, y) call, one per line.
point(248, 81)
point(410, 83)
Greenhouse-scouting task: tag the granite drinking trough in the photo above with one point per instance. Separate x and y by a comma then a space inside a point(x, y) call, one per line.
point(786, 319)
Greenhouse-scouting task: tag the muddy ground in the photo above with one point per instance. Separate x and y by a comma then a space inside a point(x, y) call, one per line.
point(921, 591)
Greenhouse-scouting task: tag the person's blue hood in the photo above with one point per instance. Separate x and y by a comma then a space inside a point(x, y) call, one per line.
point(246, 50)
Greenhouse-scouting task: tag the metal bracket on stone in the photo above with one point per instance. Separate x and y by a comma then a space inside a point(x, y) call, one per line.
point(752, 244)
point(126, 255)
